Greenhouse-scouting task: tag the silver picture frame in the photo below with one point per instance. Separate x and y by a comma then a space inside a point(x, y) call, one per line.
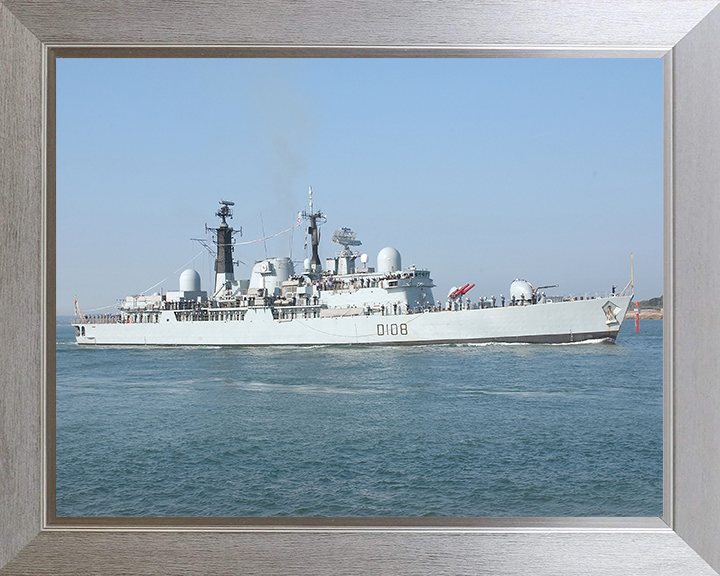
point(685, 33)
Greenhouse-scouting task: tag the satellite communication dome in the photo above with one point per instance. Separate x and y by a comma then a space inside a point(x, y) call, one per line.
point(521, 289)
point(388, 260)
point(306, 264)
point(363, 258)
point(189, 281)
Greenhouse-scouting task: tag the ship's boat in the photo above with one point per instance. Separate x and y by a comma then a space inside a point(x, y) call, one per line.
point(344, 303)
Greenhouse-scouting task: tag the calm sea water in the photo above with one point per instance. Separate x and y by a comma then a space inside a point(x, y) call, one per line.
point(495, 430)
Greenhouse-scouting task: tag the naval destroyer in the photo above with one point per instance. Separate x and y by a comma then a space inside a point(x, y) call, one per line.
point(343, 302)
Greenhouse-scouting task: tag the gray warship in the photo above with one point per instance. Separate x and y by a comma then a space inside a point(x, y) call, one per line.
point(344, 302)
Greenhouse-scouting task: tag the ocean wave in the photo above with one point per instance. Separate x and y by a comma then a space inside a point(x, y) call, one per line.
point(300, 388)
point(483, 344)
point(591, 341)
point(520, 392)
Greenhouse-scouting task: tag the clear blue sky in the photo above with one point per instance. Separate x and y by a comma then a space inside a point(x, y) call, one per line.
point(481, 170)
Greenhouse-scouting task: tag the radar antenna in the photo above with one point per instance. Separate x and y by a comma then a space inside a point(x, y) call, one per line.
point(225, 211)
point(346, 238)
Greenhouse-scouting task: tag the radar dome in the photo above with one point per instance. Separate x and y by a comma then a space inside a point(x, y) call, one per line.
point(189, 281)
point(388, 260)
point(521, 289)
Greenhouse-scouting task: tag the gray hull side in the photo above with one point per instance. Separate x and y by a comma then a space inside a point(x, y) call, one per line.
point(565, 322)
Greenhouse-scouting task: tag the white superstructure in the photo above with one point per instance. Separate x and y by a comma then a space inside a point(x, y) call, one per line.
point(344, 304)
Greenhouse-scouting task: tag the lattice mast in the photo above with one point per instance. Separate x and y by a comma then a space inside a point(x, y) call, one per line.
point(315, 219)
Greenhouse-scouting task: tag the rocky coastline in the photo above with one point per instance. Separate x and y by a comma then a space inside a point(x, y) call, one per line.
point(645, 313)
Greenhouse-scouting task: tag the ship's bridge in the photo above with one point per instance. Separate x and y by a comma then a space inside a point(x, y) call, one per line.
point(411, 289)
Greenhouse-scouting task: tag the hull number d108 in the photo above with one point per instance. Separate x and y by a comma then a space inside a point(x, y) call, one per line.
point(392, 329)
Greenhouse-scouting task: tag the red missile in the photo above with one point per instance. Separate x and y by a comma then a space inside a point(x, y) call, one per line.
point(459, 291)
point(466, 289)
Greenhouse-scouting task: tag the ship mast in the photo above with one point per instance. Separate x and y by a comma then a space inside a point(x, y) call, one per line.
point(224, 271)
point(314, 217)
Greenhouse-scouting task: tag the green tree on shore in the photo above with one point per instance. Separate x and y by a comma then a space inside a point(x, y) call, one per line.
point(656, 302)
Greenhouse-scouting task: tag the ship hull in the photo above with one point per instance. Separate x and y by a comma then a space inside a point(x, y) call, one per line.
point(552, 323)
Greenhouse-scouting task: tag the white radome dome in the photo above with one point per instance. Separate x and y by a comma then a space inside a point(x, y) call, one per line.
point(189, 281)
point(521, 288)
point(388, 260)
